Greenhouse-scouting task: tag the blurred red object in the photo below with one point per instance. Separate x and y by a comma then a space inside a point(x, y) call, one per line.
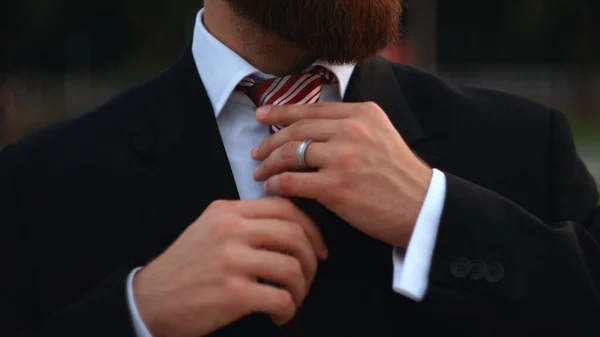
point(401, 51)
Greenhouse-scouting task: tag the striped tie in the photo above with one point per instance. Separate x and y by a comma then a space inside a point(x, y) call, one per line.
point(302, 88)
point(292, 89)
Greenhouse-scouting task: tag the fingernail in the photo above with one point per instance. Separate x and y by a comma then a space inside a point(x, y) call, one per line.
point(254, 152)
point(256, 171)
point(262, 112)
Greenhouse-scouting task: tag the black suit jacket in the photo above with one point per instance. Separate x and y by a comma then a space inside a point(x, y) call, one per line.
point(88, 199)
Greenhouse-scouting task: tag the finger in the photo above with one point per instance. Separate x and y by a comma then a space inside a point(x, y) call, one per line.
point(280, 269)
point(273, 301)
point(284, 209)
point(290, 113)
point(313, 129)
point(308, 185)
point(285, 158)
point(286, 237)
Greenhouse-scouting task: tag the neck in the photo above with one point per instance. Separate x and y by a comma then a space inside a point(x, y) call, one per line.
point(260, 48)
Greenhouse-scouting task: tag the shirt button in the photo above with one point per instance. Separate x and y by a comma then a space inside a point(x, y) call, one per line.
point(460, 268)
point(495, 272)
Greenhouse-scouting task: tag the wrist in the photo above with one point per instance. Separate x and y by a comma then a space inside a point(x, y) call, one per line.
point(148, 306)
point(424, 179)
point(414, 206)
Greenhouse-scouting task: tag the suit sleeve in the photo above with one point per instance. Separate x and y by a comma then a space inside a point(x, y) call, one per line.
point(102, 312)
point(502, 267)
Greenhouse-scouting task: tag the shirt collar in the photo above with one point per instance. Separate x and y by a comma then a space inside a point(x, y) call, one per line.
point(221, 69)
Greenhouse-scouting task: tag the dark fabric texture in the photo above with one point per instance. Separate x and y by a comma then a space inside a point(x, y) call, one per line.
point(89, 198)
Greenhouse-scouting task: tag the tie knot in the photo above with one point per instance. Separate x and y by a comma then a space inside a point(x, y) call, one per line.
point(304, 88)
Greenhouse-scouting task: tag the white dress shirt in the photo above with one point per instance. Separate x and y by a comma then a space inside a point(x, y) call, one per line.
point(221, 70)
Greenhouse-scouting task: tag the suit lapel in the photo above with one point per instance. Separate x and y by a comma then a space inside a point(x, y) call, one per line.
point(183, 161)
point(375, 81)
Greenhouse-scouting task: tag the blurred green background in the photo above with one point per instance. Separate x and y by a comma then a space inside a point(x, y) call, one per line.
point(64, 57)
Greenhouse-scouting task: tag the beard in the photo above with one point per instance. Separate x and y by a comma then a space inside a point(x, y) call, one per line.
point(335, 31)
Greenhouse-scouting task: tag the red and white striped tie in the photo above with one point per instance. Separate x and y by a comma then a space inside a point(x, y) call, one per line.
point(292, 89)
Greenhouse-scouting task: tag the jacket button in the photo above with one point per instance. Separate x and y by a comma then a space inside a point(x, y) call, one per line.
point(495, 272)
point(460, 268)
point(478, 270)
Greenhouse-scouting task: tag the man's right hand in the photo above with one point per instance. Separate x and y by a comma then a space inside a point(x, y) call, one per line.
point(213, 274)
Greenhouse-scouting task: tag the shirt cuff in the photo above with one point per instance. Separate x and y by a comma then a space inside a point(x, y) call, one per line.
point(139, 326)
point(412, 266)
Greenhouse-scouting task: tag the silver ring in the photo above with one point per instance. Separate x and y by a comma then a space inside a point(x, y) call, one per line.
point(301, 154)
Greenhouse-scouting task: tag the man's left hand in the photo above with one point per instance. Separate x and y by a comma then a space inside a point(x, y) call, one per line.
point(361, 168)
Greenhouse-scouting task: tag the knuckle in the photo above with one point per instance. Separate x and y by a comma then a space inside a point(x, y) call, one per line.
point(284, 302)
point(266, 143)
point(296, 131)
point(289, 152)
point(304, 124)
point(231, 287)
point(297, 231)
point(304, 127)
point(290, 211)
point(347, 152)
point(228, 258)
point(287, 183)
point(369, 107)
point(337, 185)
point(234, 292)
point(355, 128)
point(348, 157)
point(294, 270)
point(287, 206)
point(228, 226)
point(219, 205)
point(316, 111)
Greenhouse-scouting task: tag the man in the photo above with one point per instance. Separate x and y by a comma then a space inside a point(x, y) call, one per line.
point(439, 209)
